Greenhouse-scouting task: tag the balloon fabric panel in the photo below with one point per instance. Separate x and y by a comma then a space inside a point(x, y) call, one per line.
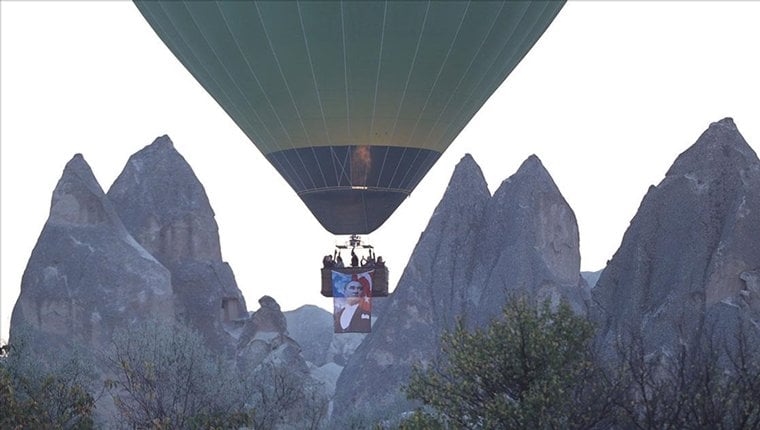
point(352, 102)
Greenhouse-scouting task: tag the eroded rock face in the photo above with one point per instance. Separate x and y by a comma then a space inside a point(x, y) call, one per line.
point(691, 253)
point(430, 294)
point(288, 392)
point(87, 275)
point(475, 250)
point(528, 244)
point(164, 206)
point(312, 328)
point(265, 339)
point(161, 201)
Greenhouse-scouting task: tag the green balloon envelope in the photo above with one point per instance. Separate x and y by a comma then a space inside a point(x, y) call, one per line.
point(352, 102)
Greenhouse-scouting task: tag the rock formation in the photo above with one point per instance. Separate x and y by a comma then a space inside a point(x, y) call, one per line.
point(265, 338)
point(429, 296)
point(165, 208)
point(528, 244)
point(475, 251)
point(691, 250)
point(591, 277)
point(87, 275)
point(312, 328)
point(287, 392)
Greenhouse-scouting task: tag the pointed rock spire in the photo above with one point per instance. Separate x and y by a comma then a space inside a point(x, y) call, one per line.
point(431, 293)
point(265, 338)
point(720, 147)
point(78, 199)
point(467, 183)
point(466, 194)
point(528, 244)
point(165, 207)
point(525, 236)
point(690, 247)
point(86, 274)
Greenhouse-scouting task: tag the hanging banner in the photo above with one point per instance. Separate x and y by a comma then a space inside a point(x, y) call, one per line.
point(352, 301)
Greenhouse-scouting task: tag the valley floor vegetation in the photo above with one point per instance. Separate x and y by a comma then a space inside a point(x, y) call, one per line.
point(533, 368)
point(155, 376)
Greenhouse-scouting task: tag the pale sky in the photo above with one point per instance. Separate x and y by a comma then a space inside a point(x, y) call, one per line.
point(607, 98)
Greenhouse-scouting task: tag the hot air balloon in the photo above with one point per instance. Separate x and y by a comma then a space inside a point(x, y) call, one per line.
point(352, 102)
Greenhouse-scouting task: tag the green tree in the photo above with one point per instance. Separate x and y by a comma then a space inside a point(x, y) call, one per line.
point(40, 394)
point(421, 420)
point(165, 377)
point(711, 381)
point(529, 369)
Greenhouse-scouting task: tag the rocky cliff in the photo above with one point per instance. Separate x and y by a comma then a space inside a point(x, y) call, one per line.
point(429, 296)
point(87, 275)
point(287, 391)
point(165, 208)
point(265, 338)
point(475, 251)
point(528, 244)
point(691, 254)
point(312, 328)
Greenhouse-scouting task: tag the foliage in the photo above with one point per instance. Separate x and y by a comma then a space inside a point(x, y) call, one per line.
point(279, 394)
point(539, 369)
point(421, 420)
point(37, 395)
point(522, 371)
point(165, 377)
point(710, 382)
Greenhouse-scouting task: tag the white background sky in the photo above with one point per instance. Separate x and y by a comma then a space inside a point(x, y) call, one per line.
point(607, 98)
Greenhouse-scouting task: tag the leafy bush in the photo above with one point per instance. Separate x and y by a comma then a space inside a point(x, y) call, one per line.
point(51, 394)
point(165, 377)
point(522, 371)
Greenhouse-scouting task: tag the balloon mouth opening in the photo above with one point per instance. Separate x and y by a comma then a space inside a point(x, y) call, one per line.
point(353, 210)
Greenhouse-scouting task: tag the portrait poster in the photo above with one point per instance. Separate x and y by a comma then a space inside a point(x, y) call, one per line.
point(352, 301)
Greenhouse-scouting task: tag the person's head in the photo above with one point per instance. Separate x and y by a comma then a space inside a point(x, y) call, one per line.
point(354, 291)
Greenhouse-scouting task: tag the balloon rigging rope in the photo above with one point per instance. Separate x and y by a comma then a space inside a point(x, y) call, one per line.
point(438, 76)
point(242, 93)
point(411, 165)
point(421, 171)
point(498, 78)
point(403, 94)
point(525, 20)
point(201, 63)
point(377, 76)
point(366, 215)
point(177, 43)
point(257, 138)
point(343, 165)
point(466, 72)
point(292, 100)
point(269, 102)
point(319, 98)
point(345, 74)
point(432, 89)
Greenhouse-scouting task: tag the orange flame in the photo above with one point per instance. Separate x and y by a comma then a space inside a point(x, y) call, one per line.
point(361, 162)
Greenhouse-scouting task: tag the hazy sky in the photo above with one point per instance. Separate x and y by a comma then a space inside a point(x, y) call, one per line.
point(607, 98)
